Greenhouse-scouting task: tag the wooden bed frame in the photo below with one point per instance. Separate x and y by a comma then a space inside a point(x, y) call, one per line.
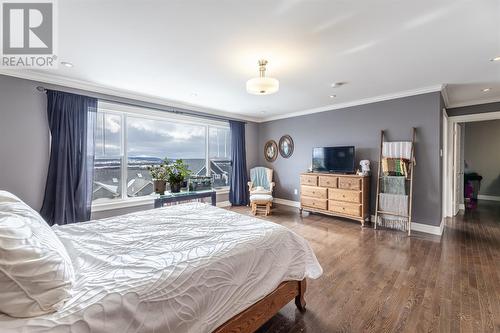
point(256, 315)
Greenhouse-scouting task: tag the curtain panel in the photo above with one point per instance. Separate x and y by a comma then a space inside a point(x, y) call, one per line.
point(68, 190)
point(238, 192)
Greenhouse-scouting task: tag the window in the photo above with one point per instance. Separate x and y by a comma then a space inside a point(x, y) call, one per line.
point(128, 140)
point(219, 154)
point(108, 157)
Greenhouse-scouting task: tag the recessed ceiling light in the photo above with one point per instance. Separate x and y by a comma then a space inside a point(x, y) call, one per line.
point(333, 96)
point(337, 84)
point(67, 64)
point(495, 59)
point(486, 89)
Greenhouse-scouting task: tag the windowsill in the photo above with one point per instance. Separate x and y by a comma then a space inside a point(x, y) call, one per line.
point(134, 202)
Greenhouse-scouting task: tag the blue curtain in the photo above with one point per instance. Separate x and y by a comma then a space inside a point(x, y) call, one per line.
point(68, 190)
point(238, 192)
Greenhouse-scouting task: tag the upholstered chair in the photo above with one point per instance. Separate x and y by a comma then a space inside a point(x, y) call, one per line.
point(261, 181)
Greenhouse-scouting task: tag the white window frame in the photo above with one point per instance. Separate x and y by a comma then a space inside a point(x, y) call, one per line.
point(124, 111)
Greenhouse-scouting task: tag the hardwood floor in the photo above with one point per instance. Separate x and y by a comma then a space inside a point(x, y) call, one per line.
point(384, 281)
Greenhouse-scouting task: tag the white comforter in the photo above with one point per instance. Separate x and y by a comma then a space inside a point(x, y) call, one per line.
point(185, 268)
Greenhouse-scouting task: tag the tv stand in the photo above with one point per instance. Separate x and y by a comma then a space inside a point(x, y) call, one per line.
point(336, 194)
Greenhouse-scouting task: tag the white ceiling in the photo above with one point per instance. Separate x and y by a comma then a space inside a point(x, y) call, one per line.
point(202, 52)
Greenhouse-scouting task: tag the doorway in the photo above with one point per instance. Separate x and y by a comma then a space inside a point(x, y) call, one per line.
point(473, 157)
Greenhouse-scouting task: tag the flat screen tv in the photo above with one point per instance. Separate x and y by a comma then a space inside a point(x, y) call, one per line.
point(333, 159)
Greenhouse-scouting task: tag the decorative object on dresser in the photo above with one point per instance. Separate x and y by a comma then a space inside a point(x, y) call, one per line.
point(270, 151)
point(393, 206)
point(286, 146)
point(364, 168)
point(333, 194)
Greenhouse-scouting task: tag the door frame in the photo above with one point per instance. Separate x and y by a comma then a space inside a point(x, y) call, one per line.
point(449, 150)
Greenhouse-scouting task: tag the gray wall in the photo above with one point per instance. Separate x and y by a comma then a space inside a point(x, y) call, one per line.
point(252, 149)
point(482, 142)
point(473, 109)
point(24, 140)
point(360, 126)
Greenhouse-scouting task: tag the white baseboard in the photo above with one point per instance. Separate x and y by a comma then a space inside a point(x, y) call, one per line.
point(426, 228)
point(286, 202)
point(429, 229)
point(488, 197)
point(223, 204)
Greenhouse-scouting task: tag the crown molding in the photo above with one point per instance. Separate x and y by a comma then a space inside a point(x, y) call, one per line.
point(475, 102)
point(363, 101)
point(444, 93)
point(107, 90)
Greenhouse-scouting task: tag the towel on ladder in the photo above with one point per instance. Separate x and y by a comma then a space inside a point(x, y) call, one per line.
point(397, 149)
point(393, 185)
point(393, 203)
point(395, 166)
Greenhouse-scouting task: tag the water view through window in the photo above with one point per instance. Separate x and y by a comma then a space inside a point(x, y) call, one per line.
point(146, 141)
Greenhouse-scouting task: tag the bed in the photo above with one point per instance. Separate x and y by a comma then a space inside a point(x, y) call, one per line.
point(185, 268)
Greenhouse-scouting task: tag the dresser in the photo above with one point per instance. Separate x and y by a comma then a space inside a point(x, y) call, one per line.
point(340, 195)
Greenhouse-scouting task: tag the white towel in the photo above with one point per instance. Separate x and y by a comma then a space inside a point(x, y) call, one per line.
point(397, 149)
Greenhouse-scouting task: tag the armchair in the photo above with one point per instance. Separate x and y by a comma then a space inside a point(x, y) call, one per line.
point(261, 181)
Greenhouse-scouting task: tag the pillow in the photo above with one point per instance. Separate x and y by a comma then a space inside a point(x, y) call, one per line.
point(36, 274)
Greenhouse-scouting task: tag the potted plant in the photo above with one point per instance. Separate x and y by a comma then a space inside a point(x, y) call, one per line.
point(159, 176)
point(177, 172)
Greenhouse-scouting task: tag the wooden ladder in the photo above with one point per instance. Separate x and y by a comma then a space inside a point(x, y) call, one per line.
point(410, 179)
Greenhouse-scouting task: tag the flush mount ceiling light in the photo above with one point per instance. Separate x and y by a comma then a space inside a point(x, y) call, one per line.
point(495, 59)
point(67, 64)
point(486, 89)
point(262, 85)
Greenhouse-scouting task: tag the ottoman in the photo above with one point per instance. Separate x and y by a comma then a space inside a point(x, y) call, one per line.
point(261, 202)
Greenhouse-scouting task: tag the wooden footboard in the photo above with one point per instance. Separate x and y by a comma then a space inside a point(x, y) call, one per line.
point(255, 316)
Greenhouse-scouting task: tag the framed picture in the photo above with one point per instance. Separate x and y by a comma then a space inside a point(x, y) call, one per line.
point(270, 150)
point(286, 146)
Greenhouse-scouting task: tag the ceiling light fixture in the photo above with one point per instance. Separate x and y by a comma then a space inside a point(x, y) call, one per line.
point(67, 64)
point(495, 59)
point(333, 96)
point(262, 85)
point(486, 89)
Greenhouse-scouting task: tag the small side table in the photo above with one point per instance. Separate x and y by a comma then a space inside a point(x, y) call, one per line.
point(185, 196)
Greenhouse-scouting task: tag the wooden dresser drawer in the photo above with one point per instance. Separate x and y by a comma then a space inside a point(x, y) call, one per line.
point(344, 195)
point(349, 183)
point(344, 208)
point(313, 192)
point(314, 203)
point(309, 180)
point(328, 181)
